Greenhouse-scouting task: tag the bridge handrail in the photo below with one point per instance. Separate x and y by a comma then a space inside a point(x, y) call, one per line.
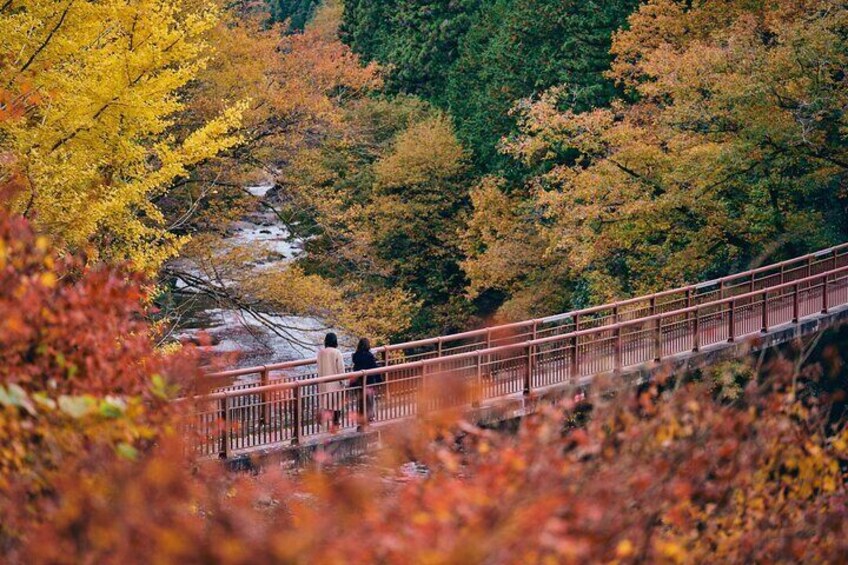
point(573, 314)
point(530, 343)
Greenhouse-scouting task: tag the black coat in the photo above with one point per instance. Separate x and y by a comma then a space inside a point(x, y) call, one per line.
point(362, 361)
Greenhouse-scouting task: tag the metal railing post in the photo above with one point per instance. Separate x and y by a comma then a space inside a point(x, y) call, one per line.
point(824, 295)
point(617, 334)
point(387, 390)
point(422, 393)
point(696, 331)
point(688, 305)
point(658, 340)
point(363, 404)
point(225, 428)
point(266, 397)
point(765, 327)
point(530, 364)
point(618, 348)
point(796, 307)
point(575, 358)
point(479, 381)
point(297, 436)
point(732, 320)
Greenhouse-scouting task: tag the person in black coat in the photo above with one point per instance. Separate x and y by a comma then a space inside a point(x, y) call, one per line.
point(364, 360)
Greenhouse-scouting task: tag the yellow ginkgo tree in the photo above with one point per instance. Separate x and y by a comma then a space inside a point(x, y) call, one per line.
point(95, 87)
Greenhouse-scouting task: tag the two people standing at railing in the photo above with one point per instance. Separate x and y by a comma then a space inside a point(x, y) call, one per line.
point(331, 397)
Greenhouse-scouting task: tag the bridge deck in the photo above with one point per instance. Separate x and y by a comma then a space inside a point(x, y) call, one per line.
point(244, 419)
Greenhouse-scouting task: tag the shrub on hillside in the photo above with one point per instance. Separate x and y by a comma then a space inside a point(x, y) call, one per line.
point(78, 373)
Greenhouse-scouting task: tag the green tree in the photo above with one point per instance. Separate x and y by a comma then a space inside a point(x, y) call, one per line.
point(297, 12)
point(735, 146)
point(517, 48)
point(384, 197)
point(418, 40)
point(477, 58)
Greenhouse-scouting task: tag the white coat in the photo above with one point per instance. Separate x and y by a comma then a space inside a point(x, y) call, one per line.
point(330, 362)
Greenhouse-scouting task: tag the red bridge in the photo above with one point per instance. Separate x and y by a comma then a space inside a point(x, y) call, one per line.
point(279, 406)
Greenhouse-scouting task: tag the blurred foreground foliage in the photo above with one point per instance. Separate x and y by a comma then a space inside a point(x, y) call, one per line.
point(78, 374)
point(91, 470)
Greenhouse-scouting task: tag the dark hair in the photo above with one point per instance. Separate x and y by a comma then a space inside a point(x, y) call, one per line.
point(330, 340)
point(363, 345)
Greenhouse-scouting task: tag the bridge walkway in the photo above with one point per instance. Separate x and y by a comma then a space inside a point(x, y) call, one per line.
point(264, 414)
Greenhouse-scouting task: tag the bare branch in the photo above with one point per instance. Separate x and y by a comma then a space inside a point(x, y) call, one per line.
point(48, 38)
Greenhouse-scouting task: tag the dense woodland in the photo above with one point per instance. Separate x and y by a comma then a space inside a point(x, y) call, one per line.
point(451, 162)
point(618, 148)
point(445, 164)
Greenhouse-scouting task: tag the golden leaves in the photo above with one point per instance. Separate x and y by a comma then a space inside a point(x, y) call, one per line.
point(101, 81)
point(639, 196)
point(423, 154)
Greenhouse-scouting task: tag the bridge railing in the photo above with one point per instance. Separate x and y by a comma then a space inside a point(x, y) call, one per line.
point(518, 332)
point(291, 412)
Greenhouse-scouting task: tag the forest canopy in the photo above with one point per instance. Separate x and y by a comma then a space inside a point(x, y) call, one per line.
point(477, 58)
point(400, 169)
point(732, 144)
point(452, 161)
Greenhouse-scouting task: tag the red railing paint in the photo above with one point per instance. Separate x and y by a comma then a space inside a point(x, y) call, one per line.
point(517, 332)
point(287, 411)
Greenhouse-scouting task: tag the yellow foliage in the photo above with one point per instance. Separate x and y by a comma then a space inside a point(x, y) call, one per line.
point(732, 144)
point(386, 187)
point(501, 244)
point(423, 154)
point(100, 84)
point(377, 313)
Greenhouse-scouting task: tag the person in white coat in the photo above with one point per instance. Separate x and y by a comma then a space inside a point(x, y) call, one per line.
point(331, 395)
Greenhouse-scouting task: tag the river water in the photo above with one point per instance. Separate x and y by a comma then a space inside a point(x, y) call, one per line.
point(239, 333)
